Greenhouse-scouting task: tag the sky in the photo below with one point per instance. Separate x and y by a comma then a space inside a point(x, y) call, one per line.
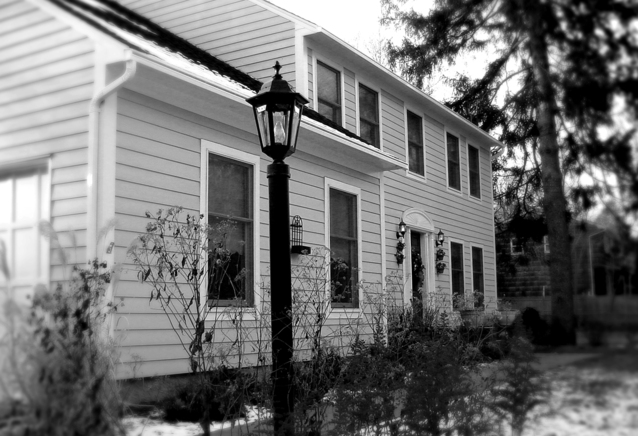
point(338, 18)
point(341, 23)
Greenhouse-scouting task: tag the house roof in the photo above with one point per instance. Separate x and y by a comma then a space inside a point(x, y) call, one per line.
point(335, 43)
point(143, 35)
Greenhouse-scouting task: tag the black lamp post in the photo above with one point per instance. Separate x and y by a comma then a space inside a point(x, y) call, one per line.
point(278, 112)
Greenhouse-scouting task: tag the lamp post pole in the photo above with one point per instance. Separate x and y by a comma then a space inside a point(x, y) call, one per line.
point(281, 297)
point(278, 109)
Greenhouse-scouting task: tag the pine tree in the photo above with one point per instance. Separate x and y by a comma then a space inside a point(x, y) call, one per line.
point(559, 71)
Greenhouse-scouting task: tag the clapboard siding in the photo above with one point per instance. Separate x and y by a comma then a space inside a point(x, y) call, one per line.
point(311, 80)
point(350, 101)
point(241, 33)
point(158, 166)
point(461, 218)
point(393, 126)
point(46, 83)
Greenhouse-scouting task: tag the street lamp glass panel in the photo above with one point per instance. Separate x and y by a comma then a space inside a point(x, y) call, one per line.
point(294, 127)
point(280, 121)
point(263, 125)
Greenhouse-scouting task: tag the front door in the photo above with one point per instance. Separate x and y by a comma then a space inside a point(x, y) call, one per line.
point(417, 266)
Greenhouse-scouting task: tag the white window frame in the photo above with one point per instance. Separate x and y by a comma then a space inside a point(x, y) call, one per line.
point(335, 184)
point(462, 243)
point(249, 159)
point(315, 83)
point(447, 175)
point(472, 246)
point(408, 173)
point(43, 250)
point(546, 244)
point(512, 245)
point(357, 82)
point(469, 176)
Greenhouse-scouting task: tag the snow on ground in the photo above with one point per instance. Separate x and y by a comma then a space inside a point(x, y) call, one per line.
point(589, 402)
point(141, 426)
point(585, 401)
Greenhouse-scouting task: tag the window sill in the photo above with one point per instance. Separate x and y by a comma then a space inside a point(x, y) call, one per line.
point(415, 176)
point(343, 312)
point(249, 313)
point(455, 191)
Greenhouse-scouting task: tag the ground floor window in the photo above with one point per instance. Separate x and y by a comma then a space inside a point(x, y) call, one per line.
point(229, 200)
point(456, 270)
point(478, 286)
point(24, 252)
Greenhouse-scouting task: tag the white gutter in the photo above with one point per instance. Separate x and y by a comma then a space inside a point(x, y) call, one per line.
point(94, 145)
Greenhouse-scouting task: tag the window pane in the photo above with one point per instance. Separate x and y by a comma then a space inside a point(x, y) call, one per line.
point(475, 178)
point(342, 214)
point(368, 132)
point(7, 201)
point(416, 159)
point(228, 187)
point(453, 159)
point(328, 84)
point(415, 132)
point(27, 198)
point(368, 104)
point(333, 113)
point(231, 217)
point(25, 246)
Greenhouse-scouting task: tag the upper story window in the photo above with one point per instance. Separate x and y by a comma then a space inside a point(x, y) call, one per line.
point(329, 92)
point(344, 248)
point(231, 216)
point(453, 162)
point(456, 269)
point(369, 115)
point(475, 172)
point(546, 244)
point(415, 144)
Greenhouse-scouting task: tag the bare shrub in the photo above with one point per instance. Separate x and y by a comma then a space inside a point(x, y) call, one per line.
point(57, 377)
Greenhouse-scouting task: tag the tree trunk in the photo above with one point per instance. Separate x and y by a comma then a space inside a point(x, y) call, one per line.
point(555, 204)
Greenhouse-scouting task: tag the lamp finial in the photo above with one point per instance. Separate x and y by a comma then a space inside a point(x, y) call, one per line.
point(277, 67)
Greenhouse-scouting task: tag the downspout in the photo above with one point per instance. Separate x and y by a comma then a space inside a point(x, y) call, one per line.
point(94, 145)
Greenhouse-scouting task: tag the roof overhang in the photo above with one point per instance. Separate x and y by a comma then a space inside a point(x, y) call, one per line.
point(347, 55)
point(162, 81)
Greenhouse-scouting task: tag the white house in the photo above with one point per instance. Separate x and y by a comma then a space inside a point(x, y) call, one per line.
point(111, 109)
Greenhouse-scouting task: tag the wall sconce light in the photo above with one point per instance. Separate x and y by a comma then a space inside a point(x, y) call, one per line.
point(296, 237)
point(400, 255)
point(440, 238)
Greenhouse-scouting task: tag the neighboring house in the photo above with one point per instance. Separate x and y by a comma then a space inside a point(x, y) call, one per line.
point(107, 112)
point(602, 264)
point(604, 271)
